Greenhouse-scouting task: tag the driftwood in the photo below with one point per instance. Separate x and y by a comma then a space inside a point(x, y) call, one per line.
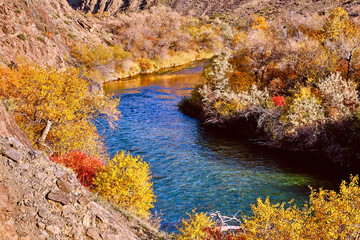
point(227, 223)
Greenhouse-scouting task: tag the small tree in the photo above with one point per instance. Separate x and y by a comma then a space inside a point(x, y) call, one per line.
point(48, 99)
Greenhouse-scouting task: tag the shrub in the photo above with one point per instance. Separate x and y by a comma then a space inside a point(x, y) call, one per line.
point(21, 36)
point(195, 227)
point(126, 181)
point(215, 233)
point(145, 65)
point(278, 101)
point(85, 166)
point(305, 109)
point(329, 215)
point(41, 39)
point(340, 96)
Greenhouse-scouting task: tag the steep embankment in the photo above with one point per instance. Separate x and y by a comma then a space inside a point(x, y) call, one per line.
point(42, 31)
point(42, 200)
point(271, 9)
point(240, 8)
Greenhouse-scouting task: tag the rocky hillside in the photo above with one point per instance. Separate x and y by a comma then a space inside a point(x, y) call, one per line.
point(111, 6)
point(242, 8)
point(246, 7)
point(41, 31)
point(45, 31)
point(42, 200)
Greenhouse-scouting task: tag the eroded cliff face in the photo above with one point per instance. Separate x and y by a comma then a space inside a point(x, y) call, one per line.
point(111, 6)
point(271, 9)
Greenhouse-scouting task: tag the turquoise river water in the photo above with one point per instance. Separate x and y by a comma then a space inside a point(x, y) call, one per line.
point(193, 167)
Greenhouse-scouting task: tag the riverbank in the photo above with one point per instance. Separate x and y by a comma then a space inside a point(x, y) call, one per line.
point(304, 122)
point(163, 68)
point(195, 167)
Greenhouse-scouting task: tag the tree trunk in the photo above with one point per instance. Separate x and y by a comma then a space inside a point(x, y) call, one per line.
point(45, 132)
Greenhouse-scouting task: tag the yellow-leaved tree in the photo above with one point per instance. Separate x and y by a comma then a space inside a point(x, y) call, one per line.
point(195, 227)
point(126, 181)
point(344, 36)
point(55, 108)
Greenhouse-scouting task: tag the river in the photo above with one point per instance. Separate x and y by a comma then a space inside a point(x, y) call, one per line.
point(193, 167)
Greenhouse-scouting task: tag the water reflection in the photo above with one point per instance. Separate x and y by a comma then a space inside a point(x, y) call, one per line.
point(176, 81)
point(193, 167)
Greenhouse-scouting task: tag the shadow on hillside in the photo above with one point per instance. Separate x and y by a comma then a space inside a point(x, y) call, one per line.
point(75, 4)
point(126, 5)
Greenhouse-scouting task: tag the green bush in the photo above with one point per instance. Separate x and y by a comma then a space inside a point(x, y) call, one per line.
point(21, 36)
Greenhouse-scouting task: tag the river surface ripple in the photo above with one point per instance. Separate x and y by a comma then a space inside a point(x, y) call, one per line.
point(195, 168)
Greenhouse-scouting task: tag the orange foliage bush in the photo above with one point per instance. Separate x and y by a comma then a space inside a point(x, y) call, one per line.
point(216, 234)
point(85, 166)
point(278, 101)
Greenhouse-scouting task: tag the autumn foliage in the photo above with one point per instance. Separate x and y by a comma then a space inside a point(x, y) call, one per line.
point(328, 215)
point(150, 40)
point(296, 80)
point(126, 181)
point(53, 106)
point(195, 227)
point(86, 167)
point(278, 101)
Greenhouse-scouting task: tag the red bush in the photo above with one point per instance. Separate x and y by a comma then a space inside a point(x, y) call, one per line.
point(86, 167)
point(278, 101)
point(215, 234)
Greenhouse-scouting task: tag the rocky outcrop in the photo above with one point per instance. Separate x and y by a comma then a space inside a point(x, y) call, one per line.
point(42, 200)
point(110, 6)
point(9, 129)
point(243, 8)
point(240, 8)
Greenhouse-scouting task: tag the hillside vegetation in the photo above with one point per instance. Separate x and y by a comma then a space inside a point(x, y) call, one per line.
point(291, 77)
point(295, 82)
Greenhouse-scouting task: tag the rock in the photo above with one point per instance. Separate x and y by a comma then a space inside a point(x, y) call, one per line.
point(25, 238)
point(16, 144)
point(24, 166)
point(83, 200)
point(40, 175)
point(8, 128)
point(86, 221)
point(63, 185)
point(7, 232)
point(93, 234)
point(43, 212)
point(6, 205)
point(12, 154)
point(52, 229)
point(41, 225)
point(28, 196)
point(58, 196)
point(34, 154)
point(61, 174)
point(111, 237)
